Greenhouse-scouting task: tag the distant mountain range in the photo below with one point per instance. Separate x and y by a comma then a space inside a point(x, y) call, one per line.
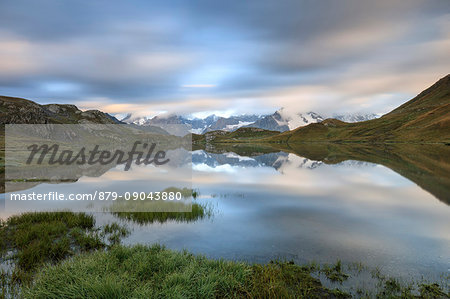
point(18, 110)
point(198, 125)
point(426, 118)
point(280, 121)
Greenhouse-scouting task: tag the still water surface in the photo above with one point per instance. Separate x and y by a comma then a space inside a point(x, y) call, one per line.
point(283, 206)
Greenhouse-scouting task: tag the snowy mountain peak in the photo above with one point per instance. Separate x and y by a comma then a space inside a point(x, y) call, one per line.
point(282, 120)
point(198, 125)
point(130, 119)
point(295, 120)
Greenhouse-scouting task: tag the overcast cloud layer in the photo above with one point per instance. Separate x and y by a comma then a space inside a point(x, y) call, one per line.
point(229, 57)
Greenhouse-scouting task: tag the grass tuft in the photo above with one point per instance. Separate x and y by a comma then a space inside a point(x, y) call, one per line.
point(156, 272)
point(31, 240)
point(334, 272)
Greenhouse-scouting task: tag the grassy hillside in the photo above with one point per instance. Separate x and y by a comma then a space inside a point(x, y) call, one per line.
point(426, 118)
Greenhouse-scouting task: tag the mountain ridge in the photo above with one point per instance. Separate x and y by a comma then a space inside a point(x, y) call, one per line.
point(425, 118)
point(278, 121)
point(22, 111)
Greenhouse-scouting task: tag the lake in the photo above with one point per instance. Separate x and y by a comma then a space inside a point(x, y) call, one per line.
point(310, 204)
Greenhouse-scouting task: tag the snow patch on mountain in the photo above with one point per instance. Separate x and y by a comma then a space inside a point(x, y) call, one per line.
point(237, 126)
point(283, 120)
point(295, 120)
point(122, 116)
point(356, 117)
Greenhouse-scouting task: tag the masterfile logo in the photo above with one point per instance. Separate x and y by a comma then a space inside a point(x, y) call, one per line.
point(94, 156)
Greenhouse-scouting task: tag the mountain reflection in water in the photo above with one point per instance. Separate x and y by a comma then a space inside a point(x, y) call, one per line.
point(386, 206)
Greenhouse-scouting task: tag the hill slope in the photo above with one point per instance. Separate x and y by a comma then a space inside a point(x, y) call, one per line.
point(425, 118)
point(21, 111)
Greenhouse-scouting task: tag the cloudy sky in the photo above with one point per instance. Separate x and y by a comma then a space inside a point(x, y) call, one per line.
point(227, 57)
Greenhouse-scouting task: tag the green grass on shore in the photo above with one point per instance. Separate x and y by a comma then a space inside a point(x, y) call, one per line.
point(156, 272)
point(64, 255)
point(31, 240)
